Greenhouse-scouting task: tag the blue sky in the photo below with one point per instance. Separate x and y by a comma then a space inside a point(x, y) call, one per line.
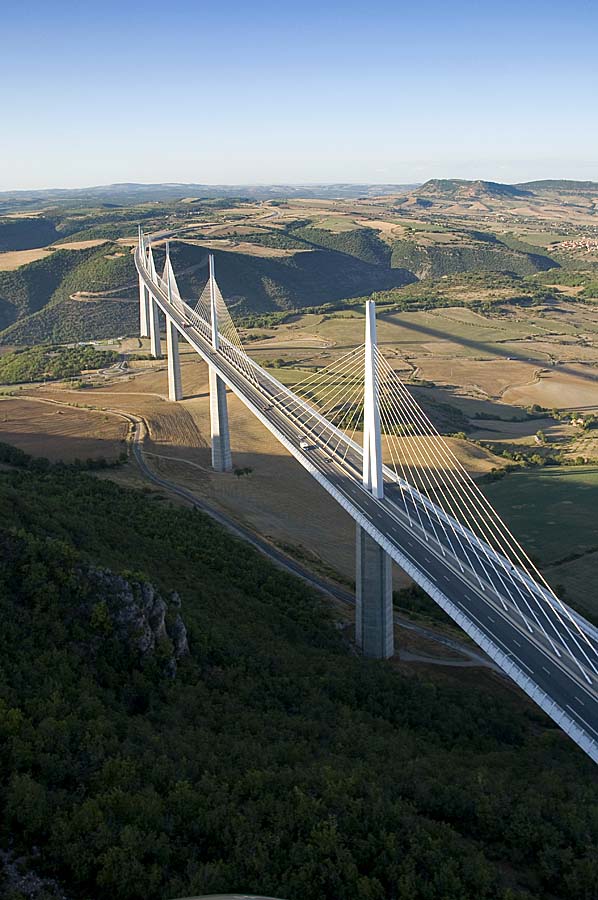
point(297, 92)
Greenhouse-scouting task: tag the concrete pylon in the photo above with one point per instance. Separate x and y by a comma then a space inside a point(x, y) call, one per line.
point(154, 329)
point(220, 434)
point(221, 455)
point(143, 293)
point(143, 309)
point(175, 388)
point(374, 625)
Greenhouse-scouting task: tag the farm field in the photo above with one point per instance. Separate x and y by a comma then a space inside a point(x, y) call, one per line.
point(552, 511)
point(57, 432)
point(578, 578)
point(12, 259)
point(517, 360)
point(574, 387)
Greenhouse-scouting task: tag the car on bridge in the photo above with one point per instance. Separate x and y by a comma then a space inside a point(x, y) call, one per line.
point(306, 445)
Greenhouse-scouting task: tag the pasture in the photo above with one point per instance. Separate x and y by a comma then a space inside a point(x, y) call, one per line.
point(551, 510)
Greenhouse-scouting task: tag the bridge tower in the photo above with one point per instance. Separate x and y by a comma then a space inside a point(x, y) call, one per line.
point(144, 300)
point(374, 626)
point(152, 309)
point(221, 455)
point(175, 389)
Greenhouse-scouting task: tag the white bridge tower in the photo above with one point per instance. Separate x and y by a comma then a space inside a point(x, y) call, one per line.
point(374, 626)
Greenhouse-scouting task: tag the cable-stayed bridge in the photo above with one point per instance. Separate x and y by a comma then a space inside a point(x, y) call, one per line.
point(411, 498)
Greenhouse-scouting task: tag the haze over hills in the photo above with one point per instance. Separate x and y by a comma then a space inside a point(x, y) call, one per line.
point(127, 194)
point(131, 193)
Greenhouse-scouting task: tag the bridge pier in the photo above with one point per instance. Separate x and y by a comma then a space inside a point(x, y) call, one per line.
point(143, 309)
point(374, 625)
point(175, 389)
point(154, 329)
point(221, 455)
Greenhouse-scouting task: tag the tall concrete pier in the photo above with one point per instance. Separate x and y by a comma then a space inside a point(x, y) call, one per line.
point(154, 329)
point(175, 389)
point(374, 626)
point(143, 295)
point(220, 434)
point(143, 309)
point(221, 453)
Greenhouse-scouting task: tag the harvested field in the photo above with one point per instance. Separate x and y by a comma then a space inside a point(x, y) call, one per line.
point(12, 259)
point(491, 377)
point(418, 453)
point(57, 432)
point(81, 245)
point(244, 247)
point(524, 432)
point(560, 387)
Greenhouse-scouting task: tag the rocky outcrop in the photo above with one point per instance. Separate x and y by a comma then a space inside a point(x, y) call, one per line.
point(137, 614)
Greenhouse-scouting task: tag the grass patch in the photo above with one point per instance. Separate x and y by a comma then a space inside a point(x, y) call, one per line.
point(552, 511)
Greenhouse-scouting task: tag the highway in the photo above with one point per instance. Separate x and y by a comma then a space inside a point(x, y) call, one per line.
point(494, 602)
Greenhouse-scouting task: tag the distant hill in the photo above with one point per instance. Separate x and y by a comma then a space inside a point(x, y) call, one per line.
point(438, 260)
point(460, 189)
point(260, 284)
point(560, 186)
point(127, 194)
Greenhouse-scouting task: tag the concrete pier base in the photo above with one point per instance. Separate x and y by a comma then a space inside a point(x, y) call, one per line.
point(175, 389)
point(221, 455)
point(154, 329)
point(374, 627)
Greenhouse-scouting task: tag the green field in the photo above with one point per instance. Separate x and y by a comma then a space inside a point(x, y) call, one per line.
point(335, 223)
point(551, 510)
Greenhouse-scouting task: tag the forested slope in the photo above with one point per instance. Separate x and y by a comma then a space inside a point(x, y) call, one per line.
point(275, 761)
point(36, 300)
point(22, 233)
point(438, 260)
point(29, 288)
point(259, 284)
